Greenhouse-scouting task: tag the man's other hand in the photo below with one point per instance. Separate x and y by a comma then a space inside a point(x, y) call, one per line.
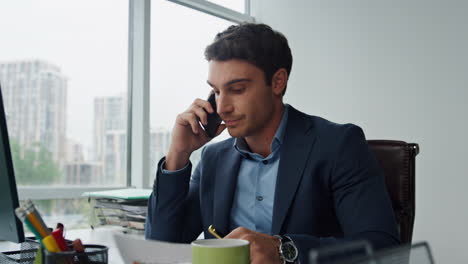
point(263, 248)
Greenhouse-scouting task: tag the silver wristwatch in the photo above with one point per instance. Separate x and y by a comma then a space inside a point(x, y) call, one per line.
point(287, 250)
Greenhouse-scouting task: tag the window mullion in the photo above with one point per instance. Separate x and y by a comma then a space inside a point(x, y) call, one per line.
point(138, 103)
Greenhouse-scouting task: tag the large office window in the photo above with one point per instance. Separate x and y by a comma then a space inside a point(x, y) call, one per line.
point(179, 70)
point(63, 72)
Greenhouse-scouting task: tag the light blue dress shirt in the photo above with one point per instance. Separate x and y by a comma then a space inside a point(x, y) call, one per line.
point(255, 191)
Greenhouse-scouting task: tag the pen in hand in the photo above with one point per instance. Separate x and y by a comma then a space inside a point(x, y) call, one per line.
point(215, 233)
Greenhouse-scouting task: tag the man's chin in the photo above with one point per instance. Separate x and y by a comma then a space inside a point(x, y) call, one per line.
point(235, 132)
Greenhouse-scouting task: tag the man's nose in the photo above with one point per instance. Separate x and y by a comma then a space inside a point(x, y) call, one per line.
point(223, 104)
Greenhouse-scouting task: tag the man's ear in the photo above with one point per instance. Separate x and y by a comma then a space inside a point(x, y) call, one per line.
point(279, 81)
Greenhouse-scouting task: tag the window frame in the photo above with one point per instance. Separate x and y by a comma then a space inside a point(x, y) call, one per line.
point(218, 10)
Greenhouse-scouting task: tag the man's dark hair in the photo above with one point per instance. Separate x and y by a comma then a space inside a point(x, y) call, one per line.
point(257, 44)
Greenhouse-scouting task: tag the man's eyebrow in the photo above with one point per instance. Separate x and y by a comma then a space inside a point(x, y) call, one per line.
point(231, 82)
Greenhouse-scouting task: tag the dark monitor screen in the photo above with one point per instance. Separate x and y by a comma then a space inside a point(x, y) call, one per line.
point(11, 228)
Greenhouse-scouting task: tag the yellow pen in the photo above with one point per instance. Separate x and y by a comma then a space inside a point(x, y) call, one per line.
point(213, 231)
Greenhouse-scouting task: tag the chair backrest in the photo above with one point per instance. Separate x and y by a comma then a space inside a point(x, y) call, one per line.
point(397, 159)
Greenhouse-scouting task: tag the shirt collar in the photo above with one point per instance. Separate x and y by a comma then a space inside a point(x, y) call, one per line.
point(241, 145)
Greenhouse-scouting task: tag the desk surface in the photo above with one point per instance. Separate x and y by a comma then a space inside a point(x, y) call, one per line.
point(100, 235)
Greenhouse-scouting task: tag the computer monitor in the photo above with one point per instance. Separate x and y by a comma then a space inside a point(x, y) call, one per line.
point(11, 228)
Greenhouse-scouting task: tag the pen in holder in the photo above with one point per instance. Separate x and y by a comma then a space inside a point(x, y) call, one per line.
point(91, 254)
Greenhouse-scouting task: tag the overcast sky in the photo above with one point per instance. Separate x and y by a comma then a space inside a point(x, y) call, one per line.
point(88, 40)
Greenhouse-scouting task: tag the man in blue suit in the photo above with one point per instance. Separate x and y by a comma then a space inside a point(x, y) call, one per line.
point(286, 181)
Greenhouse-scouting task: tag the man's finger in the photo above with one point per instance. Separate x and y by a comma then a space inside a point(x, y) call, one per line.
point(238, 232)
point(191, 119)
point(200, 113)
point(204, 104)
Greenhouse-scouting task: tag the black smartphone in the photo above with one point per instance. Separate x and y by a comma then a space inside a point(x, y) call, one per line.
point(214, 120)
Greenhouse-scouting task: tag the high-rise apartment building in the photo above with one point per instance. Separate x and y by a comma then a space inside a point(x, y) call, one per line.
point(35, 95)
point(79, 171)
point(110, 117)
point(115, 154)
point(82, 172)
point(110, 113)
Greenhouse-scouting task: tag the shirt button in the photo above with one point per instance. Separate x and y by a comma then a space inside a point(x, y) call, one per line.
point(265, 162)
point(259, 198)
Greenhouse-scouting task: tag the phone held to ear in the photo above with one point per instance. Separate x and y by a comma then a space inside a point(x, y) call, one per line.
point(214, 120)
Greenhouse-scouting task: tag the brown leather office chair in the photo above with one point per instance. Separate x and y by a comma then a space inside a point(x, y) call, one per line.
point(397, 159)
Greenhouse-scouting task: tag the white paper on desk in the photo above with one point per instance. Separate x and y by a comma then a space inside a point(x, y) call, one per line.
point(141, 251)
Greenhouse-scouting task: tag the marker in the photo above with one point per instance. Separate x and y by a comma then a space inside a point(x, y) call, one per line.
point(50, 244)
point(60, 226)
point(78, 247)
point(58, 236)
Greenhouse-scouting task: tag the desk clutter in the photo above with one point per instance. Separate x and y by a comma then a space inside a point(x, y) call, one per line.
point(49, 245)
point(126, 208)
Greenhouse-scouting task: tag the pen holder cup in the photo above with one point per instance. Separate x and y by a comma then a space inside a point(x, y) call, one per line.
point(93, 254)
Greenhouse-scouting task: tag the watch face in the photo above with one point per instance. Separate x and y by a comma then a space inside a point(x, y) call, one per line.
point(289, 251)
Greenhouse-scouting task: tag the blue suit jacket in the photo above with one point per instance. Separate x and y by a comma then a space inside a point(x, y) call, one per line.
point(329, 188)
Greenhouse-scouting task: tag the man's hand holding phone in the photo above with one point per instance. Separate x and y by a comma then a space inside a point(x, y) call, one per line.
point(188, 135)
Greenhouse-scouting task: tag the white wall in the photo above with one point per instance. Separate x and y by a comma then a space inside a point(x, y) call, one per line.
point(399, 69)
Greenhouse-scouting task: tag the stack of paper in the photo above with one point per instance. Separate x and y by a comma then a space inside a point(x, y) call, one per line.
point(125, 207)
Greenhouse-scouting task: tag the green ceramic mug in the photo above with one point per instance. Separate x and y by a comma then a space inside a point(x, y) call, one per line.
point(215, 251)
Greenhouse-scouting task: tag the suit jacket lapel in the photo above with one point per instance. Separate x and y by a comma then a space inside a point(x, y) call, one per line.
point(294, 153)
point(224, 187)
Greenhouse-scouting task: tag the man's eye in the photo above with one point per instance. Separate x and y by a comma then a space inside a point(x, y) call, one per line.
point(238, 90)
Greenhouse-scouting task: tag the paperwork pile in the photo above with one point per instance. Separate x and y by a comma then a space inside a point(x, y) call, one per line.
point(125, 207)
